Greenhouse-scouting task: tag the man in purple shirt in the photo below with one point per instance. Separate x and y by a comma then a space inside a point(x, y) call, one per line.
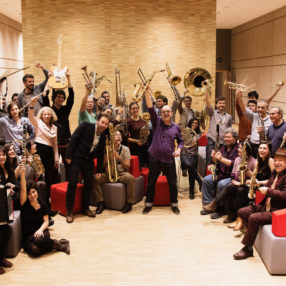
point(226, 156)
point(162, 154)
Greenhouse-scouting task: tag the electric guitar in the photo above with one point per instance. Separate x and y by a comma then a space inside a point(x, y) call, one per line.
point(59, 79)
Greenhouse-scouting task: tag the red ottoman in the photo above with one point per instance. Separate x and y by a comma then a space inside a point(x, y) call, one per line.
point(58, 198)
point(145, 174)
point(162, 194)
point(134, 167)
point(279, 223)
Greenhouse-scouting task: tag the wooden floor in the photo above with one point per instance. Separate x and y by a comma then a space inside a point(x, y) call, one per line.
point(160, 248)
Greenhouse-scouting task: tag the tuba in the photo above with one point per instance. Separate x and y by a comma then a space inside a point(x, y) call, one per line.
point(196, 80)
point(144, 132)
point(111, 160)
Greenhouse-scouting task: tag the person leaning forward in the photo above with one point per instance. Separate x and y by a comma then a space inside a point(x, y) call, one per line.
point(87, 143)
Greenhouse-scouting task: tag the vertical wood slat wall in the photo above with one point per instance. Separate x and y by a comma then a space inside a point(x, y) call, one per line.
point(118, 33)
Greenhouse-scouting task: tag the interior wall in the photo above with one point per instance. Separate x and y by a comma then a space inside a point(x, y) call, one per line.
point(11, 53)
point(258, 55)
point(119, 33)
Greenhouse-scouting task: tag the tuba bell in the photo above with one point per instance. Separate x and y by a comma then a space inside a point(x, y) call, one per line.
point(196, 80)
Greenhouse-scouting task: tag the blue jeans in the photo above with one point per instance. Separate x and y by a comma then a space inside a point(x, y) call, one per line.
point(208, 187)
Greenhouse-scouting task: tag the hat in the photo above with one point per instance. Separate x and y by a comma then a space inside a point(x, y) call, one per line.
point(280, 152)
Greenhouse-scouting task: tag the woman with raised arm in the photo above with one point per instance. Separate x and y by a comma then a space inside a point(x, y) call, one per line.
point(35, 222)
point(46, 140)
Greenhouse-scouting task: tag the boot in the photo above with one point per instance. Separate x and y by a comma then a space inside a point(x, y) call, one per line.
point(62, 245)
point(239, 224)
point(233, 225)
point(211, 207)
point(192, 195)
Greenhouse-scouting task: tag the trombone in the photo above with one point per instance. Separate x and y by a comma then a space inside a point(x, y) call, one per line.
point(173, 81)
point(140, 88)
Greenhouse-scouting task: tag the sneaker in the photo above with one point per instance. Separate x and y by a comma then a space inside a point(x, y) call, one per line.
point(146, 210)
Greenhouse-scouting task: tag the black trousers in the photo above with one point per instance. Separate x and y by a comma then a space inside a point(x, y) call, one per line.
point(190, 163)
point(232, 198)
point(62, 151)
point(37, 246)
point(86, 167)
point(5, 233)
point(141, 152)
point(155, 168)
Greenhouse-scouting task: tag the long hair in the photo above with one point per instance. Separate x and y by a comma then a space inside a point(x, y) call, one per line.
point(264, 164)
point(54, 117)
point(198, 129)
point(10, 165)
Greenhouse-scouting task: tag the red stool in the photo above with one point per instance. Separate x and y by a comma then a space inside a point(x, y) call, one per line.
point(203, 141)
point(162, 194)
point(279, 223)
point(58, 198)
point(145, 174)
point(134, 167)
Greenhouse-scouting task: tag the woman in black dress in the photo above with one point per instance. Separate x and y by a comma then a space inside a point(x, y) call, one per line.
point(35, 222)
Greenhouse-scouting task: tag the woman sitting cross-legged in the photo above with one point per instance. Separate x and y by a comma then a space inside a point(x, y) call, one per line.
point(189, 155)
point(35, 222)
point(234, 195)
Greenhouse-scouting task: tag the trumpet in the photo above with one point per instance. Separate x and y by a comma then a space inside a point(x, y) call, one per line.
point(89, 79)
point(140, 89)
point(279, 83)
point(236, 86)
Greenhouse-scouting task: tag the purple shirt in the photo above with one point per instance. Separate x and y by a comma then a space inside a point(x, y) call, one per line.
point(163, 141)
point(224, 170)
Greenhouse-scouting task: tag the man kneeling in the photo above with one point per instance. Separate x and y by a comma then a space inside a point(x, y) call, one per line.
point(122, 155)
point(275, 199)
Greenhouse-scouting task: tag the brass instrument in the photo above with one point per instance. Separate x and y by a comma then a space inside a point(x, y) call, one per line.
point(111, 160)
point(120, 96)
point(202, 116)
point(195, 79)
point(141, 89)
point(3, 78)
point(251, 191)
point(36, 163)
point(189, 136)
point(174, 80)
point(144, 132)
point(236, 86)
point(279, 83)
point(283, 141)
point(243, 163)
point(157, 93)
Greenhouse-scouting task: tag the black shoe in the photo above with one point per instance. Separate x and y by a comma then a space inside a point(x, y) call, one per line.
point(216, 215)
point(100, 207)
point(127, 208)
point(204, 212)
point(175, 210)
point(185, 173)
point(51, 221)
point(53, 213)
point(191, 196)
point(146, 210)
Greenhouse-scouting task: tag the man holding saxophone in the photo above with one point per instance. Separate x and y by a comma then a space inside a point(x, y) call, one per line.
point(122, 156)
point(162, 154)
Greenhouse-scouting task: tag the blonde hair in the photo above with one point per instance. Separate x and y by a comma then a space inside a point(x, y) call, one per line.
point(54, 117)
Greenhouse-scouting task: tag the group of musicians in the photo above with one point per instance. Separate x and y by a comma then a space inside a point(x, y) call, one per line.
point(252, 158)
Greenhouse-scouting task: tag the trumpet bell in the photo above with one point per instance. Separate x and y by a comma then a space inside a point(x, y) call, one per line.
point(195, 79)
point(175, 80)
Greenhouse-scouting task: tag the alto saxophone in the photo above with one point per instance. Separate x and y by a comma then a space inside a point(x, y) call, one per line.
point(144, 132)
point(111, 160)
point(251, 192)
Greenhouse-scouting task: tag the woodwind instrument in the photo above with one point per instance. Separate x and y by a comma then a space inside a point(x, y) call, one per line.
point(214, 168)
point(251, 191)
point(262, 134)
point(111, 160)
point(283, 141)
point(243, 163)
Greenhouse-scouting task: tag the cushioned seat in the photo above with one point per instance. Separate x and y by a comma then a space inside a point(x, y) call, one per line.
point(145, 174)
point(58, 198)
point(272, 250)
point(15, 242)
point(162, 194)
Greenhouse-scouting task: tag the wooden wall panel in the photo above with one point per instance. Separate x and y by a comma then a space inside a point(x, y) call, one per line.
point(120, 33)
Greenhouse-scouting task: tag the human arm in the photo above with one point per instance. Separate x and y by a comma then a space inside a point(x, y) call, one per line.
point(46, 73)
point(239, 100)
point(31, 115)
point(23, 185)
point(45, 225)
point(125, 163)
point(55, 148)
point(84, 99)
point(207, 97)
point(275, 93)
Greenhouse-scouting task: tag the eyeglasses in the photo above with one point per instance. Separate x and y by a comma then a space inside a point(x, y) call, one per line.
point(165, 111)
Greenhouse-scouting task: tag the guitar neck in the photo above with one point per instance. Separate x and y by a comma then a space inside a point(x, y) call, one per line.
point(59, 56)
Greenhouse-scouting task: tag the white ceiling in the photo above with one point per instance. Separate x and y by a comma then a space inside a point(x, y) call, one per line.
point(230, 13)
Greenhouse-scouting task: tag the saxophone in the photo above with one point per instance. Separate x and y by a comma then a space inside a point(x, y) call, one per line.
point(243, 163)
point(144, 132)
point(262, 134)
point(214, 168)
point(111, 160)
point(190, 137)
point(36, 163)
point(251, 192)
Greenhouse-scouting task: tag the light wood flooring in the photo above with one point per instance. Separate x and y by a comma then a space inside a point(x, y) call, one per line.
point(160, 248)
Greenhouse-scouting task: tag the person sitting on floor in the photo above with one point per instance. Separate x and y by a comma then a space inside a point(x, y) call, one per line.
point(255, 216)
point(122, 156)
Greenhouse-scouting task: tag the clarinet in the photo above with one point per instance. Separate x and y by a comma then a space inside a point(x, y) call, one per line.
point(24, 140)
point(214, 168)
